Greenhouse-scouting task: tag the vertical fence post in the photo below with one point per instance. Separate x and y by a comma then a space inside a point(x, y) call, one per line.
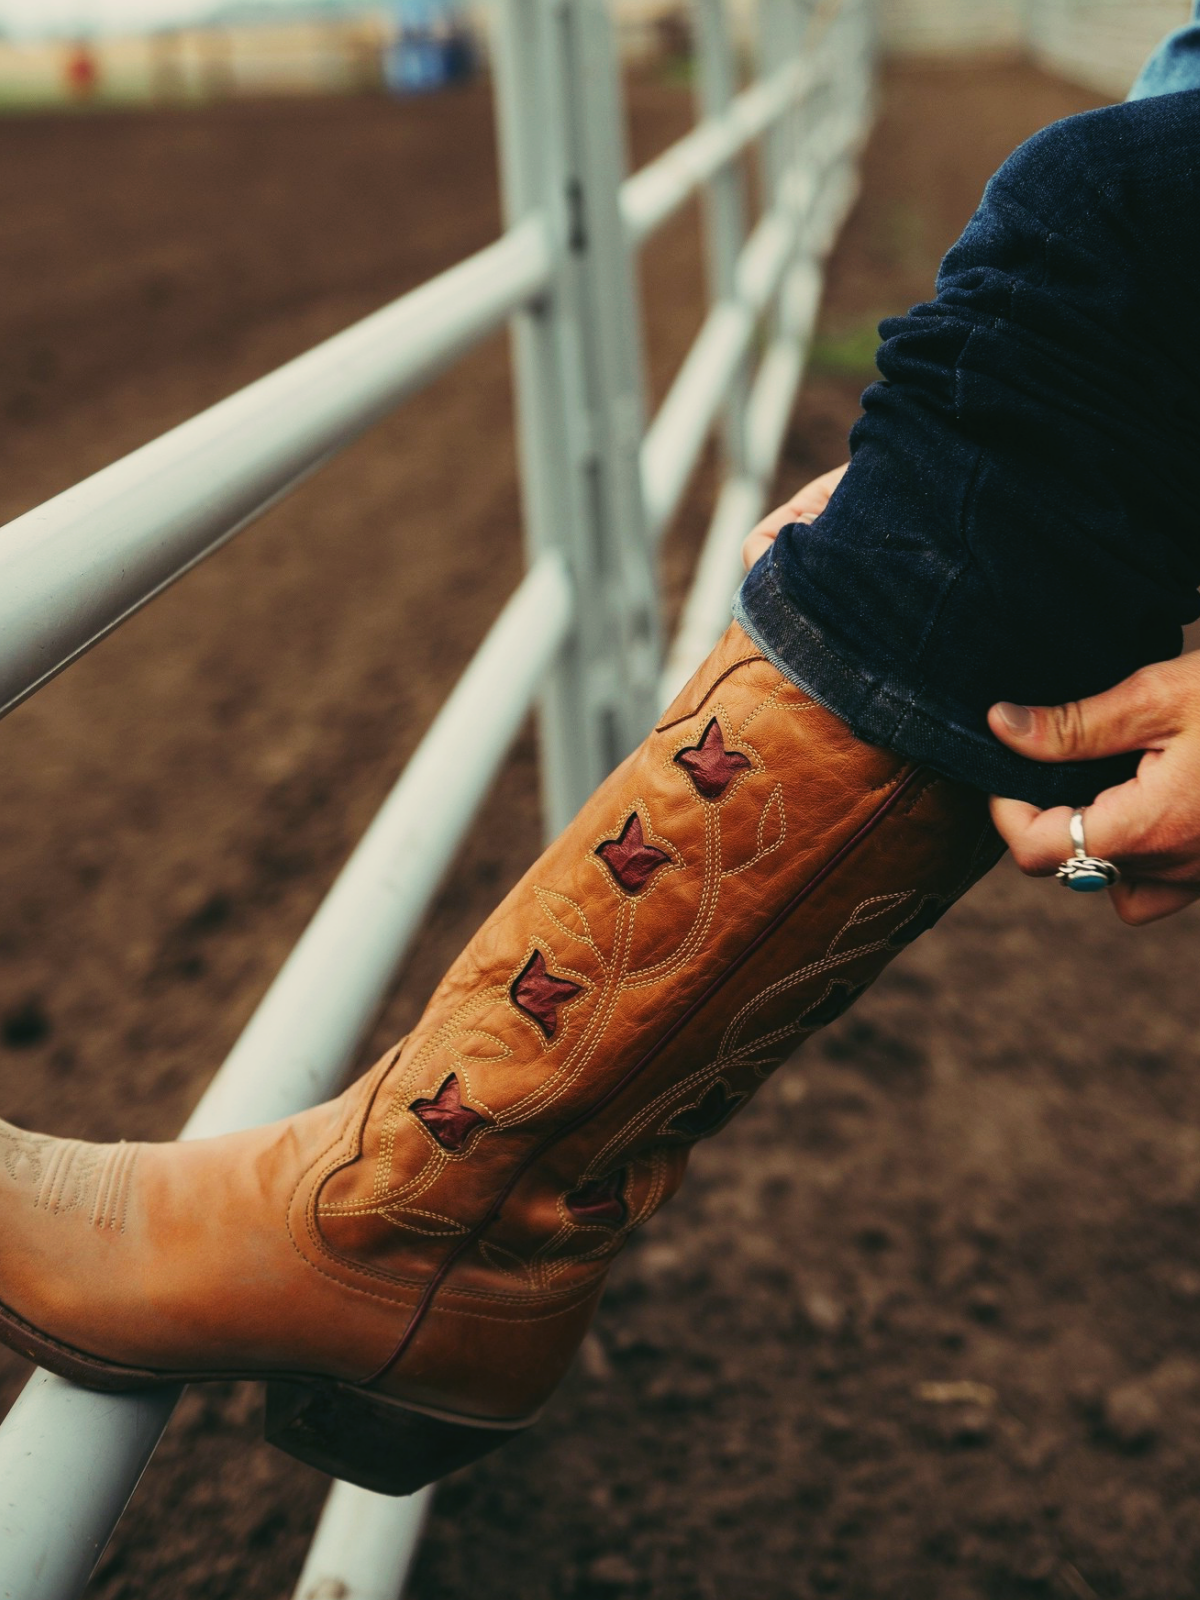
point(578, 366)
point(550, 412)
point(725, 198)
point(610, 323)
point(785, 32)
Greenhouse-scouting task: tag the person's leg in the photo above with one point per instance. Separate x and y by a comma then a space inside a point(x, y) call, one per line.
point(1175, 65)
point(1017, 521)
point(415, 1264)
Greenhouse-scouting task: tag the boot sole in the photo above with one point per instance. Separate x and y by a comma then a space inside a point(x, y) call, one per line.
point(363, 1438)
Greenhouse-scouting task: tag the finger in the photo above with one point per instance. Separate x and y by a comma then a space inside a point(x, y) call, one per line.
point(1039, 840)
point(1123, 825)
point(1011, 817)
point(815, 496)
point(775, 521)
point(1135, 715)
point(761, 537)
point(1116, 826)
point(755, 546)
point(1138, 902)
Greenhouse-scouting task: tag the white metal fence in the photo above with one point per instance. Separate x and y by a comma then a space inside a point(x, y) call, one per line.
point(600, 487)
point(1099, 43)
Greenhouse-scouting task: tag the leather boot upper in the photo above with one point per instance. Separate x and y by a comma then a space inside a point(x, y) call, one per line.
point(442, 1230)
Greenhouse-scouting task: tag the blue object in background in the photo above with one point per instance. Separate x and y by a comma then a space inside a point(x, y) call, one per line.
point(433, 46)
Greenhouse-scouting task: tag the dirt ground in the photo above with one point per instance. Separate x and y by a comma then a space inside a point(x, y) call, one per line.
point(921, 1325)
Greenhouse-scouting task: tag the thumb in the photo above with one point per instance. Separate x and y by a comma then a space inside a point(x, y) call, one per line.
point(1132, 716)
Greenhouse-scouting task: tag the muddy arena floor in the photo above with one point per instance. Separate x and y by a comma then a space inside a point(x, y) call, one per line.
point(922, 1323)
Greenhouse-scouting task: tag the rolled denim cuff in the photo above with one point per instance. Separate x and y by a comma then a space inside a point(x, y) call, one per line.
point(884, 711)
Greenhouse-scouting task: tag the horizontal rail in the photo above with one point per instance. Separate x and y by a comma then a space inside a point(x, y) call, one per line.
point(740, 502)
point(706, 609)
point(676, 436)
point(655, 193)
point(77, 566)
point(769, 404)
point(69, 1459)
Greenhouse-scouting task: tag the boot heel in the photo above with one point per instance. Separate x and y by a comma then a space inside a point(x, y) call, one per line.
point(370, 1440)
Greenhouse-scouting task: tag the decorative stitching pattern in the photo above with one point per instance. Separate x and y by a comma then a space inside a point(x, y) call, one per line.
point(112, 1189)
point(695, 697)
point(443, 1227)
point(68, 1175)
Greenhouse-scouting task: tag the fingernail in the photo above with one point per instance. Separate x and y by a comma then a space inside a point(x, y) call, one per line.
point(1018, 719)
point(807, 517)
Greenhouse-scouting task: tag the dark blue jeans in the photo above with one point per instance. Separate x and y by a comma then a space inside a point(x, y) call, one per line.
point(1021, 515)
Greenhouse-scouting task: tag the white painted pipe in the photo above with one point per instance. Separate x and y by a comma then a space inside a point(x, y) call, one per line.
point(77, 566)
point(364, 1545)
point(676, 437)
point(69, 1461)
point(655, 193)
point(740, 504)
point(706, 610)
point(769, 405)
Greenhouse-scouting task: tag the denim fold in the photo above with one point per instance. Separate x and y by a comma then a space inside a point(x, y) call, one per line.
point(1020, 519)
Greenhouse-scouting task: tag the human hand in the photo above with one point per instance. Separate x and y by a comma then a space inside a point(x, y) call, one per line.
point(806, 505)
point(1150, 826)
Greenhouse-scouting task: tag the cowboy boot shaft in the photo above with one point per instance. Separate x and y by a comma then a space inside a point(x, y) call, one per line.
point(730, 888)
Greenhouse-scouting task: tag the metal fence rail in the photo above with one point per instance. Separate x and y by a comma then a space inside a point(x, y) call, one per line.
point(579, 638)
point(74, 568)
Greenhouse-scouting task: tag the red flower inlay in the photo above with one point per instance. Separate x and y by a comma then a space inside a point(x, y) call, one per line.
point(539, 993)
point(449, 1121)
point(600, 1200)
point(630, 859)
point(709, 765)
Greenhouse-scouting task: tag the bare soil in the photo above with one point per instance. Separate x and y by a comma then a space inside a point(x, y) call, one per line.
point(922, 1322)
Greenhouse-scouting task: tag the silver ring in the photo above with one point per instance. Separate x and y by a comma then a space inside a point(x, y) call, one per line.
point(1082, 872)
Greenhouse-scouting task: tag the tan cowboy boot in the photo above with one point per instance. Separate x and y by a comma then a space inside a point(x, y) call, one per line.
point(412, 1266)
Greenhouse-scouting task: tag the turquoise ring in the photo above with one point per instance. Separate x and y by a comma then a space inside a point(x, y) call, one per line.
point(1084, 873)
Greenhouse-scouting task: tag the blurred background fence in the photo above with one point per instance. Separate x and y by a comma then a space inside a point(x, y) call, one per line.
point(1099, 43)
point(347, 46)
